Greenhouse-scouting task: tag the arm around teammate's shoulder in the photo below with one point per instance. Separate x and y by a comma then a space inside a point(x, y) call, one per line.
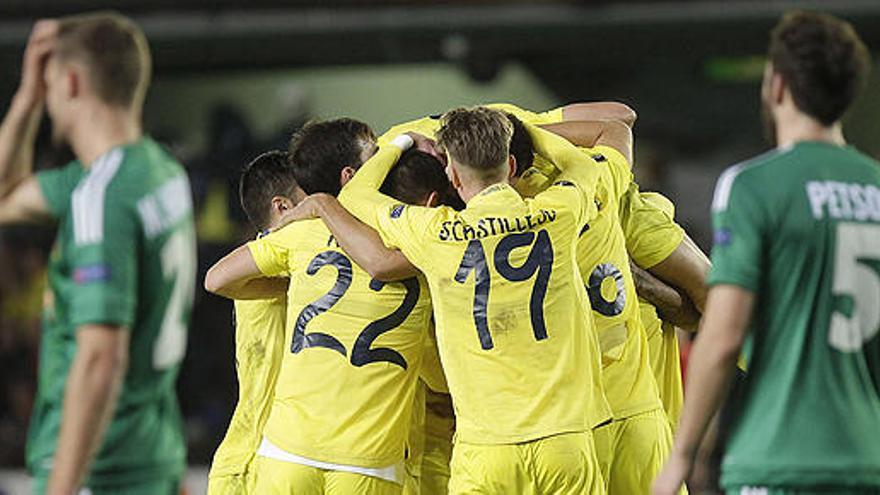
point(600, 110)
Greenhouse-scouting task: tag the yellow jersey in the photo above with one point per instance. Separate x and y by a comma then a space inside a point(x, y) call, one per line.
point(651, 237)
point(259, 345)
point(353, 352)
point(519, 351)
point(604, 264)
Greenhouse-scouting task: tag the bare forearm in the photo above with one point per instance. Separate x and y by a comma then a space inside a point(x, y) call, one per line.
point(234, 277)
point(600, 110)
point(672, 304)
point(90, 398)
point(362, 243)
point(710, 371)
point(18, 133)
point(712, 363)
point(686, 269)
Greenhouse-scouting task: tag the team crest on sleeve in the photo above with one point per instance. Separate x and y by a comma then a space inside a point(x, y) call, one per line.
point(598, 157)
point(397, 210)
point(98, 272)
point(565, 183)
point(723, 236)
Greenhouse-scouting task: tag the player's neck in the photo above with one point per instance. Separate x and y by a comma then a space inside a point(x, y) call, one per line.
point(472, 189)
point(797, 127)
point(100, 129)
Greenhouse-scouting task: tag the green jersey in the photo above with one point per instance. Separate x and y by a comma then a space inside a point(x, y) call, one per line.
point(124, 255)
point(799, 227)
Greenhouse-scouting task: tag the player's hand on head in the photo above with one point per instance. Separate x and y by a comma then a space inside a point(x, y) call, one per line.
point(305, 210)
point(427, 145)
point(36, 54)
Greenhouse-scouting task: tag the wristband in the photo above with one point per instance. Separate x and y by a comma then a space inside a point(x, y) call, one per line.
point(403, 141)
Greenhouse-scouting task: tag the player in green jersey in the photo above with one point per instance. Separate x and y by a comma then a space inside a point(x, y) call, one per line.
point(797, 261)
point(121, 272)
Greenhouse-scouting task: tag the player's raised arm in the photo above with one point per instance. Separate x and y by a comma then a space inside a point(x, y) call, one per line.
point(361, 195)
point(21, 199)
point(588, 134)
point(600, 110)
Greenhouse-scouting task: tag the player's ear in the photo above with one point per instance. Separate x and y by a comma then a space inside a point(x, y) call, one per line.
point(72, 83)
point(452, 173)
point(345, 175)
point(281, 204)
point(432, 199)
point(777, 88)
point(511, 164)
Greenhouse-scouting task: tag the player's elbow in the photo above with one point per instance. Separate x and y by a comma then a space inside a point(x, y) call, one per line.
point(384, 272)
point(214, 281)
point(106, 358)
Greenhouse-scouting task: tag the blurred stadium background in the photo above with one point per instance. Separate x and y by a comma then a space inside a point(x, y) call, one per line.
point(232, 79)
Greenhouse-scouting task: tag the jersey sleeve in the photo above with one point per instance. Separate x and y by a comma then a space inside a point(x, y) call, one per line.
point(553, 116)
point(738, 219)
point(271, 253)
point(575, 187)
point(649, 227)
point(400, 226)
point(57, 186)
point(426, 126)
point(104, 260)
point(621, 171)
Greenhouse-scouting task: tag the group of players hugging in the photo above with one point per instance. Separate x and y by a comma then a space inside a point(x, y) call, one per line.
point(481, 301)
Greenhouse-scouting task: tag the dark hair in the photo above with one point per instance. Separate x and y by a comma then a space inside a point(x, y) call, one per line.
point(115, 50)
point(320, 150)
point(265, 177)
point(822, 60)
point(416, 175)
point(521, 146)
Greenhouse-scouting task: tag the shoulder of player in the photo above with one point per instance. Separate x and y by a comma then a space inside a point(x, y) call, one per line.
point(300, 234)
point(750, 174)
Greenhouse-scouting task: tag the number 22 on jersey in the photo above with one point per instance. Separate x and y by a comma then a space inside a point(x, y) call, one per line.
point(362, 352)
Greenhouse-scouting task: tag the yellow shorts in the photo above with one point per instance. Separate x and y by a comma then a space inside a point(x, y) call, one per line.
point(274, 477)
point(434, 479)
point(561, 465)
point(632, 451)
point(233, 484)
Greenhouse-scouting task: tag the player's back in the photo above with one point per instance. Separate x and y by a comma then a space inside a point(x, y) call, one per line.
point(810, 409)
point(652, 236)
point(125, 254)
point(518, 348)
point(353, 351)
point(604, 265)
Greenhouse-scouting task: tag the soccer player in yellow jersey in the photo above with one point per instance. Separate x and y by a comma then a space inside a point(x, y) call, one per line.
point(518, 348)
point(654, 238)
point(632, 448)
point(267, 189)
point(353, 346)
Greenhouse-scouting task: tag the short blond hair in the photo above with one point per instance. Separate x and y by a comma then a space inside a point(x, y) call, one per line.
point(477, 138)
point(115, 50)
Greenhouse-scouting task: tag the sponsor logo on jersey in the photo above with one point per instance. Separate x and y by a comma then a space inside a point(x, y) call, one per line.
point(98, 272)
